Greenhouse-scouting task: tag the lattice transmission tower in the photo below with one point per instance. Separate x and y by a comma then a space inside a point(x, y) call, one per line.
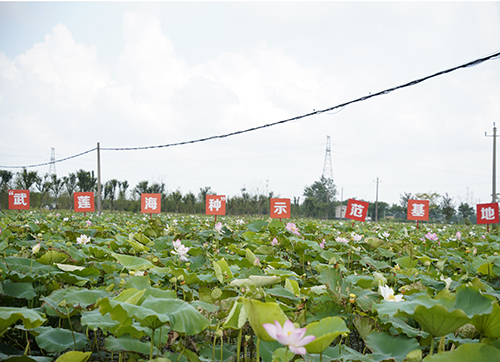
point(327, 167)
point(52, 167)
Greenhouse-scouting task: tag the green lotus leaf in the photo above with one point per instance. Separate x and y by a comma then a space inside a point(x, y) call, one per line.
point(222, 271)
point(477, 352)
point(436, 316)
point(489, 324)
point(96, 320)
point(257, 226)
point(27, 266)
point(24, 358)
point(69, 267)
point(74, 356)
point(58, 340)
point(326, 330)
point(257, 280)
point(184, 318)
point(438, 321)
point(259, 313)
point(385, 346)
point(84, 298)
point(472, 302)
point(19, 290)
point(53, 257)
point(132, 262)
point(237, 317)
point(403, 327)
point(138, 247)
point(126, 343)
point(10, 315)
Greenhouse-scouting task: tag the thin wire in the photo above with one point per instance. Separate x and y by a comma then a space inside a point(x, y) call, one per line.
point(48, 163)
point(384, 92)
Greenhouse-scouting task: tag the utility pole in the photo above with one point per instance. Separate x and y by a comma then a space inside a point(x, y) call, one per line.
point(376, 202)
point(98, 180)
point(494, 182)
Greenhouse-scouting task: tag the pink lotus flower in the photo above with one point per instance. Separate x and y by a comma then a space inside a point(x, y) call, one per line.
point(291, 227)
point(289, 336)
point(431, 236)
point(322, 244)
point(341, 240)
point(218, 227)
point(274, 242)
point(459, 236)
point(88, 222)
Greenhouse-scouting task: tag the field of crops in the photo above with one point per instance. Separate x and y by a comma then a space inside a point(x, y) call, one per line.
point(184, 288)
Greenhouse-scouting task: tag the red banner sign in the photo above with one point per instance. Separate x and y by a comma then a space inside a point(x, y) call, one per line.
point(19, 199)
point(280, 208)
point(356, 210)
point(84, 201)
point(487, 213)
point(418, 210)
point(215, 205)
point(151, 203)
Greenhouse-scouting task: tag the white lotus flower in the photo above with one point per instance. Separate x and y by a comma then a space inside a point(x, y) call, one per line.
point(388, 294)
point(83, 239)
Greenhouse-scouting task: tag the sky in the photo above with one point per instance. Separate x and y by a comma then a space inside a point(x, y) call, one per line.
point(137, 74)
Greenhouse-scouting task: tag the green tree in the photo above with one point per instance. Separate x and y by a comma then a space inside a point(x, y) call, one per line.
point(43, 186)
point(465, 210)
point(110, 191)
point(403, 199)
point(319, 197)
point(448, 207)
point(70, 182)
point(26, 179)
point(5, 178)
point(141, 188)
point(86, 181)
point(56, 186)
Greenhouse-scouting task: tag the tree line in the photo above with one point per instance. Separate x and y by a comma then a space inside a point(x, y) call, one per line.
point(318, 200)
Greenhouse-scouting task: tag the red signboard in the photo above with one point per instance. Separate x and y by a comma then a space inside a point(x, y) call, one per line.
point(418, 210)
point(487, 213)
point(151, 203)
point(215, 205)
point(19, 199)
point(280, 208)
point(356, 210)
point(84, 201)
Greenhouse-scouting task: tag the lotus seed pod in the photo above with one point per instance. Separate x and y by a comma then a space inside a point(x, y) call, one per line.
point(216, 293)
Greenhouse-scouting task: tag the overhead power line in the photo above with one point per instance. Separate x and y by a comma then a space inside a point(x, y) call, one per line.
point(55, 161)
point(315, 112)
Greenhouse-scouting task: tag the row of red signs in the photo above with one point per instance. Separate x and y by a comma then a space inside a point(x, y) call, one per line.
point(280, 208)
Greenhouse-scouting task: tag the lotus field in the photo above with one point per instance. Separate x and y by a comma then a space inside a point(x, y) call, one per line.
point(185, 288)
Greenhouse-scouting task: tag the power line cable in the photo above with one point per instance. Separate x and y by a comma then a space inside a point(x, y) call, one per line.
point(55, 161)
point(384, 92)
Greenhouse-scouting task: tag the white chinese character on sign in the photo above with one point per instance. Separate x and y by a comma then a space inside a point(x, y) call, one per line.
point(488, 213)
point(214, 204)
point(150, 203)
point(83, 202)
point(357, 210)
point(418, 210)
point(19, 199)
point(280, 207)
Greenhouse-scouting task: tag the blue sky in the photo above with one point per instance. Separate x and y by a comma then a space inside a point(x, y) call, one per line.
point(131, 74)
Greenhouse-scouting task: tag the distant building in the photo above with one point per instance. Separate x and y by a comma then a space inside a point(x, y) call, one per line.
point(340, 211)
